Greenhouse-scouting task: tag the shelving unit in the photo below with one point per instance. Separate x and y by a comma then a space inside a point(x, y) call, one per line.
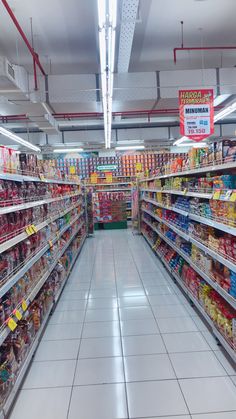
point(187, 292)
point(156, 200)
point(116, 186)
point(218, 166)
point(4, 209)
point(69, 218)
point(23, 178)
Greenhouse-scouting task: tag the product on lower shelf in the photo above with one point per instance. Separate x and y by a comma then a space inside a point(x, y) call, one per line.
point(109, 207)
point(219, 311)
point(16, 346)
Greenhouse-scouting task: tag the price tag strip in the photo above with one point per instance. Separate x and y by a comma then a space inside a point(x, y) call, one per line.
point(24, 305)
point(11, 324)
point(216, 195)
point(18, 314)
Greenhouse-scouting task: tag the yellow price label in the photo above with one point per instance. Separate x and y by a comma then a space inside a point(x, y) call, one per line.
point(139, 167)
point(233, 197)
point(31, 229)
point(34, 228)
point(41, 177)
point(24, 305)
point(216, 195)
point(108, 176)
point(94, 178)
point(18, 314)
point(185, 191)
point(11, 324)
point(28, 231)
point(72, 170)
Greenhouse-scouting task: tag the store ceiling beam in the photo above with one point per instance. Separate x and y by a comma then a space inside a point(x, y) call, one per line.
point(75, 115)
point(128, 21)
point(215, 48)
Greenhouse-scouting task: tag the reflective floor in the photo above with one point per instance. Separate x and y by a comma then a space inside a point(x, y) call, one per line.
point(124, 343)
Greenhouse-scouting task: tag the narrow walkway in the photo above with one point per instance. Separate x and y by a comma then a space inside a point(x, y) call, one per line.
point(124, 343)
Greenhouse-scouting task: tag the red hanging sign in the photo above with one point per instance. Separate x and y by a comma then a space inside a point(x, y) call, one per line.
point(196, 112)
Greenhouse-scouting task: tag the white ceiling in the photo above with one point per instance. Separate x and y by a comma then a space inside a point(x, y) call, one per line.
point(206, 23)
point(65, 32)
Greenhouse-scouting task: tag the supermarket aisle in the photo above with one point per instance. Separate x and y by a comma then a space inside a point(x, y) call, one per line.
point(124, 343)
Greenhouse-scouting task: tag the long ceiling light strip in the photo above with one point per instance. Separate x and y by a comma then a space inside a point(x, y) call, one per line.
point(131, 147)
point(14, 137)
point(225, 112)
point(67, 150)
point(107, 17)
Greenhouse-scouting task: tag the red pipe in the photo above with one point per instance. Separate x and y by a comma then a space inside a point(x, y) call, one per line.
point(20, 30)
point(77, 114)
point(64, 115)
point(199, 49)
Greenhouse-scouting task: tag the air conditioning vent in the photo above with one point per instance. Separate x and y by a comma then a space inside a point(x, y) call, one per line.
point(10, 70)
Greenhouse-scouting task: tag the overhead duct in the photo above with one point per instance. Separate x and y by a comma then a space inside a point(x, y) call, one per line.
point(127, 27)
point(13, 78)
point(16, 86)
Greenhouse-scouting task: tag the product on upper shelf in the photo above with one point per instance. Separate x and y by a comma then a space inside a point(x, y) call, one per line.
point(16, 346)
point(216, 307)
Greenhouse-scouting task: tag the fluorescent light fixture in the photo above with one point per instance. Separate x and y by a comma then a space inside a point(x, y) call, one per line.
point(113, 12)
point(67, 150)
point(14, 137)
point(46, 107)
point(102, 47)
point(131, 147)
point(194, 145)
point(101, 13)
point(181, 140)
point(225, 112)
point(220, 99)
point(107, 17)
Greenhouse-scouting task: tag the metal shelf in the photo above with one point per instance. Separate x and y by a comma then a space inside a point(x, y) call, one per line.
point(204, 169)
point(214, 254)
point(23, 178)
point(212, 223)
point(162, 220)
point(35, 343)
point(176, 192)
point(22, 236)
point(107, 184)
point(231, 300)
point(231, 265)
point(113, 190)
point(152, 201)
point(13, 279)
point(26, 205)
point(6, 331)
point(215, 331)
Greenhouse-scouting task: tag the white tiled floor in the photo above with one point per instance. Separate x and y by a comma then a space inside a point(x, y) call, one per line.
point(124, 343)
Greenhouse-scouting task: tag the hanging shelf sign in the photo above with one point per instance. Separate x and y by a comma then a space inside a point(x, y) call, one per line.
point(196, 112)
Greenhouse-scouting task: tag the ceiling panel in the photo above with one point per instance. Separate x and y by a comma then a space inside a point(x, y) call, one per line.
point(158, 31)
point(65, 32)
